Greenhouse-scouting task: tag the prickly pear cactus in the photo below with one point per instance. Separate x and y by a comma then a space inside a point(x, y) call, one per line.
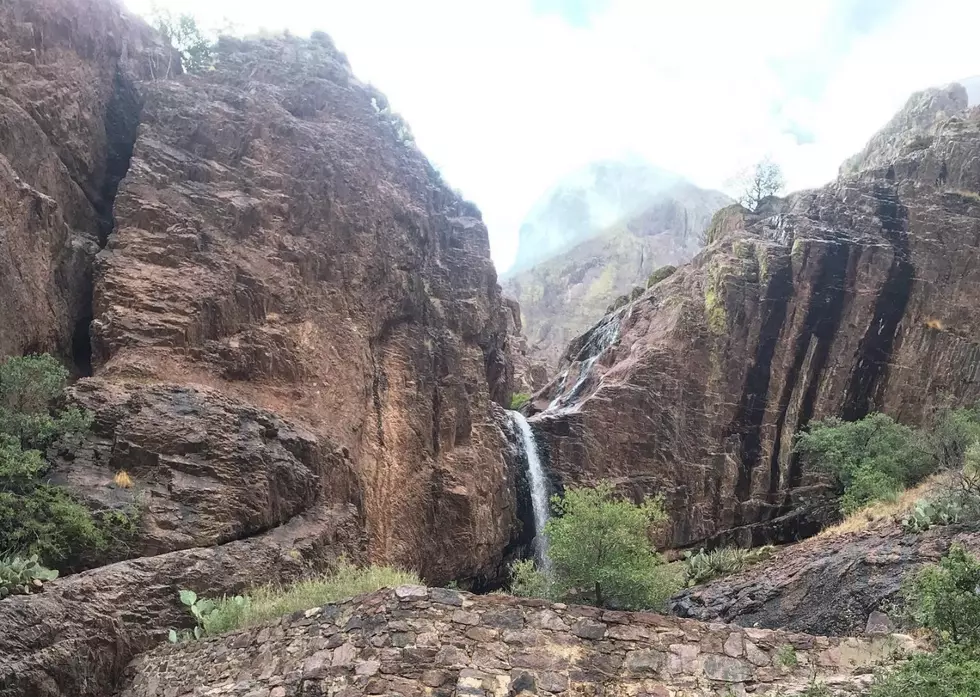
point(22, 575)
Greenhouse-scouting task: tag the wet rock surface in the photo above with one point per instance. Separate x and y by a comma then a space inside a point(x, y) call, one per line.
point(419, 641)
point(847, 584)
point(853, 298)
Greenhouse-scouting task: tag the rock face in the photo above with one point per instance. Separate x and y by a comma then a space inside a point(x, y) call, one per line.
point(418, 641)
point(826, 585)
point(62, 87)
point(582, 266)
point(854, 298)
point(294, 325)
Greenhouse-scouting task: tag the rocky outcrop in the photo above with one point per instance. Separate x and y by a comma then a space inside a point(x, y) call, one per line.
point(841, 301)
point(830, 585)
point(278, 242)
point(65, 76)
point(418, 641)
point(294, 325)
point(75, 638)
point(571, 286)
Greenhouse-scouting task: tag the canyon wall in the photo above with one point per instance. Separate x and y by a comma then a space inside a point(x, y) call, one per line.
point(841, 301)
point(288, 328)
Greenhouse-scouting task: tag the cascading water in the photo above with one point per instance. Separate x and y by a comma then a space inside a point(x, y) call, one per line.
point(539, 490)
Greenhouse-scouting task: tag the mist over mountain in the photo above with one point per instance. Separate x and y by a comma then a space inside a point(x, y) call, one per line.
point(595, 236)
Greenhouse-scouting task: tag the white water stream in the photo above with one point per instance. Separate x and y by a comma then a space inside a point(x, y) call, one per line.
point(539, 490)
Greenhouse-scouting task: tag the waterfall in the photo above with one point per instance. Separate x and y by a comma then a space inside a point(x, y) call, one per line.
point(539, 490)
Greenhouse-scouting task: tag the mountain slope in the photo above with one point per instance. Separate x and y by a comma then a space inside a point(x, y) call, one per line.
point(583, 272)
point(857, 297)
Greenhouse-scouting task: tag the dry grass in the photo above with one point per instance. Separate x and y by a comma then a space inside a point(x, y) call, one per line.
point(123, 480)
point(965, 194)
point(886, 510)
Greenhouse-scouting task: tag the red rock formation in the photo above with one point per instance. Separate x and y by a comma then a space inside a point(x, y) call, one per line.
point(296, 331)
point(854, 298)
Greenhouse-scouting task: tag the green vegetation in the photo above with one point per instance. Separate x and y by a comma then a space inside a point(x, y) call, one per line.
point(201, 609)
point(28, 387)
point(518, 400)
point(601, 550)
point(702, 566)
point(618, 303)
point(527, 582)
point(786, 657)
point(636, 292)
point(943, 599)
point(660, 274)
point(196, 49)
point(270, 602)
point(20, 576)
point(872, 459)
point(38, 518)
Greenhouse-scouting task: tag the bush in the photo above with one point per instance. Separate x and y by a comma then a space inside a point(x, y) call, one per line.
point(703, 566)
point(943, 598)
point(601, 550)
point(527, 581)
point(37, 518)
point(951, 672)
point(660, 274)
point(518, 400)
point(952, 435)
point(271, 602)
point(29, 386)
point(872, 459)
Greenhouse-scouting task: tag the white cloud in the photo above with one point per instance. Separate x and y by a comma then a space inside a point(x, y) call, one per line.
point(505, 100)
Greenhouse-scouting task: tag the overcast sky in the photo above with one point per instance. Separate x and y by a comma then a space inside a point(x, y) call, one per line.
point(506, 96)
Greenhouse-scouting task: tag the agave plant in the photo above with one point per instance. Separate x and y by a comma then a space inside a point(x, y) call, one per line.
point(23, 575)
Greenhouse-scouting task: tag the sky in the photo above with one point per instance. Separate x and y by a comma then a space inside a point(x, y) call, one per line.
point(506, 97)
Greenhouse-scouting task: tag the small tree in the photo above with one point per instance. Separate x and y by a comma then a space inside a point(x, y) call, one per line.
point(600, 547)
point(764, 180)
point(196, 49)
point(30, 387)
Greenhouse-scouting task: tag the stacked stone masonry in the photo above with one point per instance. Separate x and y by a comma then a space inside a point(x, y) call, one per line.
point(433, 641)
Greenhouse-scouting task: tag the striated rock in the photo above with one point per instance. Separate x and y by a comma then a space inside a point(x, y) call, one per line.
point(64, 91)
point(586, 270)
point(205, 469)
point(278, 242)
point(76, 637)
point(841, 301)
point(674, 656)
point(831, 585)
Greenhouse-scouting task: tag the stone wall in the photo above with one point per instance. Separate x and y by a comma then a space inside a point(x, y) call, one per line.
point(439, 642)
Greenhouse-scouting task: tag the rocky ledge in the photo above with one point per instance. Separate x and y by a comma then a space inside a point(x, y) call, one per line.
point(432, 641)
point(842, 584)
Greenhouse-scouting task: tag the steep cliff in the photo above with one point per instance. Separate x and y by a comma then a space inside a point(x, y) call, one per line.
point(853, 298)
point(294, 326)
point(583, 264)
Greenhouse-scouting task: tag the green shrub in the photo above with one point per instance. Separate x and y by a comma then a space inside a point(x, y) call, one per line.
point(786, 657)
point(29, 386)
point(601, 550)
point(271, 602)
point(38, 518)
point(951, 672)
point(636, 292)
point(943, 598)
point(702, 566)
point(660, 274)
point(518, 400)
point(871, 459)
point(952, 435)
point(20, 576)
point(527, 581)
